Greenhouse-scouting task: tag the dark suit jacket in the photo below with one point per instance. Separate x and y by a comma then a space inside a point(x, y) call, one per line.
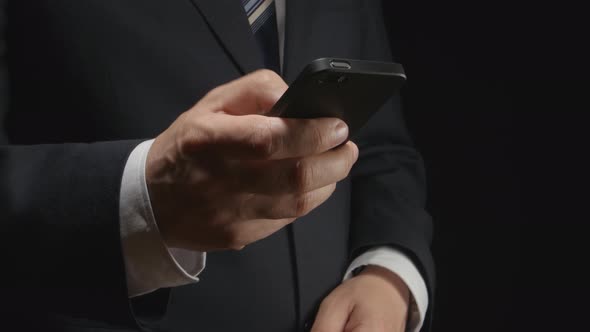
point(84, 81)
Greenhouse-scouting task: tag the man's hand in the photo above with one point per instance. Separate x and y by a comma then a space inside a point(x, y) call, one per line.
point(223, 176)
point(374, 301)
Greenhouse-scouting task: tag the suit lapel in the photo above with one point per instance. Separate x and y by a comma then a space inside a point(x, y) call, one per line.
point(229, 24)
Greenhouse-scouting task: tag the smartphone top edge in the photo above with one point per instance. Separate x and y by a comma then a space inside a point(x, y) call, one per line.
point(381, 67)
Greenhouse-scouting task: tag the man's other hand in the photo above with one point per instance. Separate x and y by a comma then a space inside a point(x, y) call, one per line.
point(374, 301)
point(223, 175)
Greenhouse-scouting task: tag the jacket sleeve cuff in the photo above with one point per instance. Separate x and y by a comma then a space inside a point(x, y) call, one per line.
point(398, 263)
point(149, 263)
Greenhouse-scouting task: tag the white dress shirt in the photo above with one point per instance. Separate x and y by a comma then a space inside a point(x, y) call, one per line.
point(151, 265)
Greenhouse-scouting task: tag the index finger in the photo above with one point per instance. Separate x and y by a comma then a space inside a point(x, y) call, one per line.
point(270, 138)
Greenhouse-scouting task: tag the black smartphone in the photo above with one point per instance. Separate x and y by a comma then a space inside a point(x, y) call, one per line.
point(351, 90)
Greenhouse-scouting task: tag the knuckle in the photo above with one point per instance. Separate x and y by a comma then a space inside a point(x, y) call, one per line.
point(262, 141)
point(299, 177)
point(317, 136)
point(329, 302)
point(214, 94)
point(246, 210)
point(281, 208)
point(192, 135)
point(266, 76)
point(302, 205)
point(232, 239)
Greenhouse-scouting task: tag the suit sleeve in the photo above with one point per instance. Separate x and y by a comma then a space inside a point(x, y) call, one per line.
point(60, 247)
point(388, 181)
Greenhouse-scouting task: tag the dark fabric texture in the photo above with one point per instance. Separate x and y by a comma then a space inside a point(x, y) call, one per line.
point(83, 82)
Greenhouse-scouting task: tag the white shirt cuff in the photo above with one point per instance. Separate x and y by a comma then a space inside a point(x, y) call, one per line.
point(149, 263)
point(398, 263)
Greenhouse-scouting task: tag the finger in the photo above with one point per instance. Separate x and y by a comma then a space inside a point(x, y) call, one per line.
point(254, 93)
point(296, 176)
point(303, 137)
point(257, 137)
point(285, 206)
point(332, 315)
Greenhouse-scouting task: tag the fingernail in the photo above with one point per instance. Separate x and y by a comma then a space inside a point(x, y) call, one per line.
point(340, 132)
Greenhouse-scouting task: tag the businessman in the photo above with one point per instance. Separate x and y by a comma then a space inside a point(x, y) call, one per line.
point(142, 187)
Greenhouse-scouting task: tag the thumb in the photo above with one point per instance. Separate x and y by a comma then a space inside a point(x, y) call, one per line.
point(254, 93)
point(332, 315)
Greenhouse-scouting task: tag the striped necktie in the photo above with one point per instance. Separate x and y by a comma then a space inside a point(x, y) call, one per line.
point(262, 16)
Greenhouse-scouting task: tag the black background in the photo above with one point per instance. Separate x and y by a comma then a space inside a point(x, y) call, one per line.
point(495, 102)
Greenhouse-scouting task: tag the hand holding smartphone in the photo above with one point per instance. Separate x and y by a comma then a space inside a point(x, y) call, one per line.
point(351, 90)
